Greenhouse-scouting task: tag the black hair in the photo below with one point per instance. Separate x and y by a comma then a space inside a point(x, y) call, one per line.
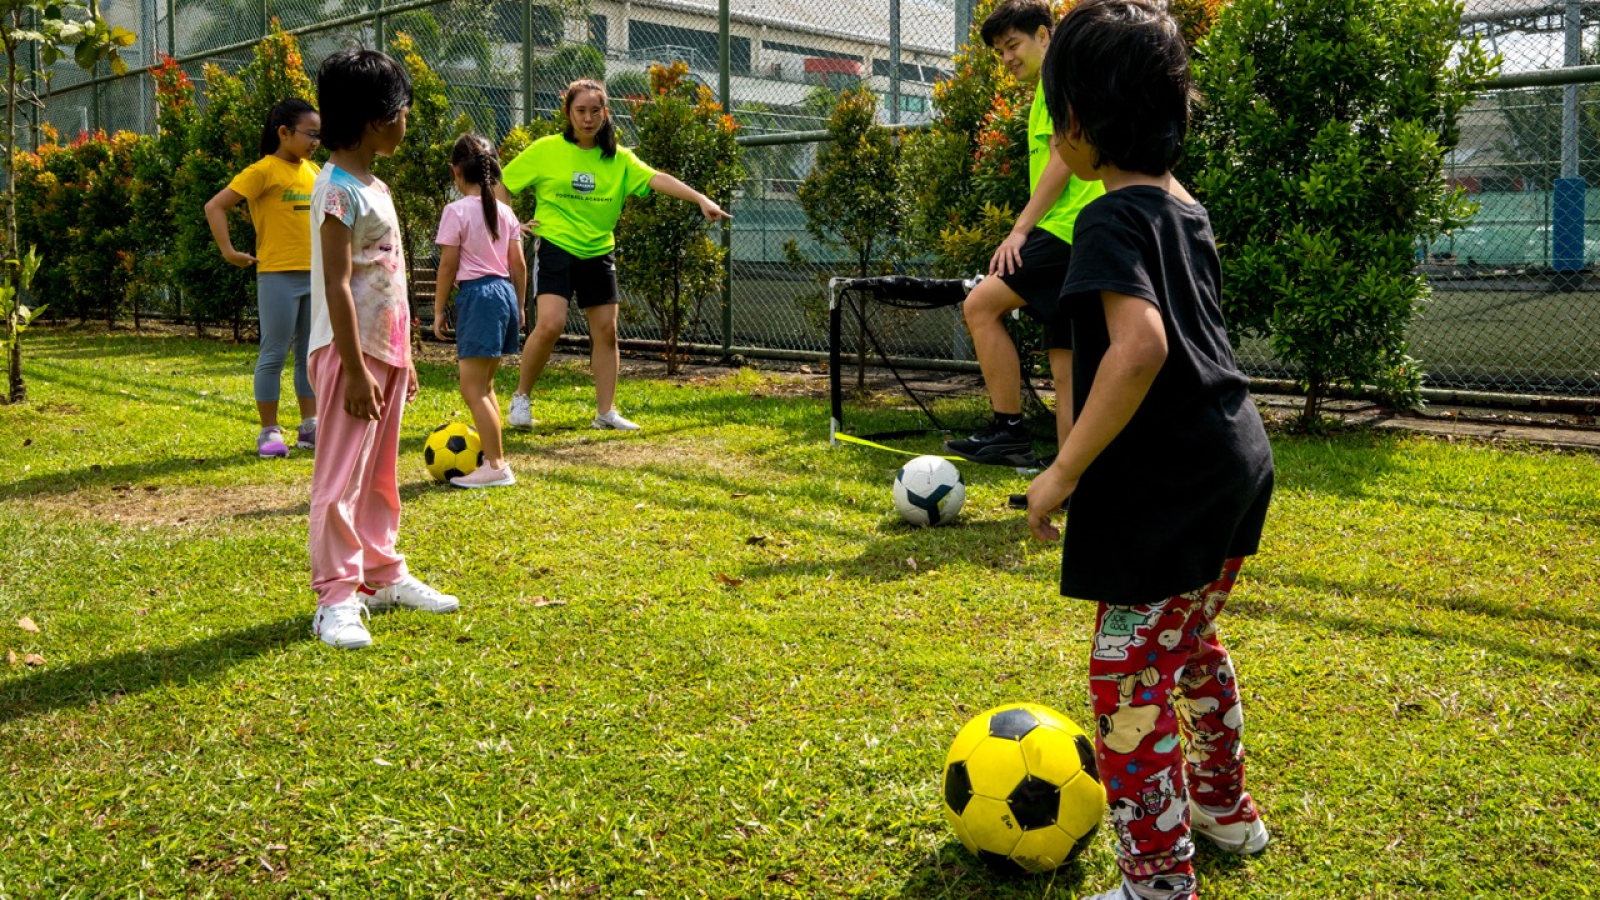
point(475, 159)
point(606, 137)
point(1022, 16)
point(286, 114)
point(1118, 71)
point(357, 87)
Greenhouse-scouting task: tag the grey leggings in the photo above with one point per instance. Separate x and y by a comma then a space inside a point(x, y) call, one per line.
point(283, 304)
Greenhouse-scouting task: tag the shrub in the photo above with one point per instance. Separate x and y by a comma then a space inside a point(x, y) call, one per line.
point(668, 258)
point(419, 171)
point(517, 141)
point(213, 290)
point(1320, 157)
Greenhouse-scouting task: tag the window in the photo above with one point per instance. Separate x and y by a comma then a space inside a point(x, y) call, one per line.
point(649, 40)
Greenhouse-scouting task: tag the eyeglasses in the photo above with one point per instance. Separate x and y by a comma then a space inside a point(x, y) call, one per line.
point(314, 135)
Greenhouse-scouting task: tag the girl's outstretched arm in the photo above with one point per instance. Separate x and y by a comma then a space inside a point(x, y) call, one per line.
point(217, 217)
point(672, 187)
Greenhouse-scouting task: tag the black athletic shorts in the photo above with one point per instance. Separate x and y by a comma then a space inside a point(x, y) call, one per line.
point(1038, 282)
point(592, 281)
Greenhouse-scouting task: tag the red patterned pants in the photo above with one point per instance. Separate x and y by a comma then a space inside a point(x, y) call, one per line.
point(1169, 717)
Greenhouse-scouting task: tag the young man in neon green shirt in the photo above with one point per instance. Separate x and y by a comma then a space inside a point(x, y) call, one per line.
point(1030, 265)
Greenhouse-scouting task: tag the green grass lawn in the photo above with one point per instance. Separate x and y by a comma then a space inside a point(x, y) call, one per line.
point(707, 660)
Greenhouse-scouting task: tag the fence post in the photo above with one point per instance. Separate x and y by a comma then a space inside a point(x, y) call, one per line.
point(527, 62)
point(1566, 245)
point(894, 62)
point(724, 64)
point(172, 32)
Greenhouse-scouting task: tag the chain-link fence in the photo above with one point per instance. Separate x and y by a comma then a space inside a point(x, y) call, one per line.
point(1513, 307)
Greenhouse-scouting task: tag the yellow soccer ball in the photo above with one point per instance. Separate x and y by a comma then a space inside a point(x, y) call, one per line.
point(1021, 788)
point(451, 450)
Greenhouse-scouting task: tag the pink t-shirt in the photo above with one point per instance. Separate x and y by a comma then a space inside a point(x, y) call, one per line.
point(461, 225)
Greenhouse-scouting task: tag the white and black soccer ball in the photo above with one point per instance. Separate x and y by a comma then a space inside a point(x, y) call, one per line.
point(929, 491)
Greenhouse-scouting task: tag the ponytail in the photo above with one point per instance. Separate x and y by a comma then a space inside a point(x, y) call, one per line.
point(475, 159)
point(285, 114)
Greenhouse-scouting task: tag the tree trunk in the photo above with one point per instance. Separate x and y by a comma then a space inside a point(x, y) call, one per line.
point(17, 391)
point(1308, 414)
point(861, 323)
point(674, 319)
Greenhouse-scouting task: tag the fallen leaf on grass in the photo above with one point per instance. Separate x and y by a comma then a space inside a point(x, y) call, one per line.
point(27, 442)
point(789, 876)
point(377, 760)
point(541, 600)
point(737, 496)
point(33, 659)
point(729, 580)
point(141, 612)
point(912, 562)
point(26, 624)
point(755, 540)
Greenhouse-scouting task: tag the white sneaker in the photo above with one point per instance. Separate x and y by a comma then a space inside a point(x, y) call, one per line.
point(613, 420)
point(1236, 836)
point(1162, 887)
point(340, 625)
point(521, 415)
point(412, 594)
point(485, 476)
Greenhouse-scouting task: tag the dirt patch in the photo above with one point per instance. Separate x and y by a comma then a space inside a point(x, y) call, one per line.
point(174, 507)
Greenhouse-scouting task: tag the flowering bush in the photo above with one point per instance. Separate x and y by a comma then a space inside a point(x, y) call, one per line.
point(221, 141)
point(419, 170)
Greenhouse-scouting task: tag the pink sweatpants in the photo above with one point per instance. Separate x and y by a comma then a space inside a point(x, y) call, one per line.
point(355, 492)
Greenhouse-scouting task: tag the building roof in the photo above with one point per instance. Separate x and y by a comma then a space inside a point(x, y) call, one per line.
point(925, 25)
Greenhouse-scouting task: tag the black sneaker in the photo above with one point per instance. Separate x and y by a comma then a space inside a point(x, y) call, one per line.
point(994, 444)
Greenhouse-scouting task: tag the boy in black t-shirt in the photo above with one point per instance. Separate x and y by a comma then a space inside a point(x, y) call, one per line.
point(1167, 463)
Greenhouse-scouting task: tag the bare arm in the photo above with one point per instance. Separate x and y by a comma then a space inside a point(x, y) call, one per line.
point(444, 284)
point(672, 187)
point(217, 217)
point(1138, 350)
point(362, 398)
point(518, 264)
point(1052, 181)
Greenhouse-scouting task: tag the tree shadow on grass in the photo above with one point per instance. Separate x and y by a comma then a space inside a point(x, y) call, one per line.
point(134, 672)
point(97, 475)
point(1581, 660)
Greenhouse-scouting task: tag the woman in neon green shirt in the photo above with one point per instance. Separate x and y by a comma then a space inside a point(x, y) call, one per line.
point(581, 179)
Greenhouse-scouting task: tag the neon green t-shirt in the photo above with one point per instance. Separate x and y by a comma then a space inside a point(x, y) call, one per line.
point(579, 192)
point(1076, 195)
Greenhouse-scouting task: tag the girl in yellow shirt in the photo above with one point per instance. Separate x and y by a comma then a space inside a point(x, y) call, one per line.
point(278, 189)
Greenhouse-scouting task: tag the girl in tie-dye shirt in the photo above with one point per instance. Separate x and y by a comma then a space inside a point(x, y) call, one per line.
point(360, 354)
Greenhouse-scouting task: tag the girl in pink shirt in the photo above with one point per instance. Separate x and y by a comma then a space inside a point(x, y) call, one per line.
point(480, 259)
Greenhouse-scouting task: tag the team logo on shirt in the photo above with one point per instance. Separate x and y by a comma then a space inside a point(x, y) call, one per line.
point(583, 182)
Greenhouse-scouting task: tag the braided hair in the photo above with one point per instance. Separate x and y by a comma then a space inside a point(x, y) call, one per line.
point(475, 159)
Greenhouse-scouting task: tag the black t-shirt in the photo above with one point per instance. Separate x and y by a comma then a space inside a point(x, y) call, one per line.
point(1185, 485)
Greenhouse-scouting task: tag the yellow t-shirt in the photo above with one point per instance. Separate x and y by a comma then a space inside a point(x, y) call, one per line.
point(279, 194)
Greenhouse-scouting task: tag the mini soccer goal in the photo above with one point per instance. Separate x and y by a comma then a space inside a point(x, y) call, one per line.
point(907, 327)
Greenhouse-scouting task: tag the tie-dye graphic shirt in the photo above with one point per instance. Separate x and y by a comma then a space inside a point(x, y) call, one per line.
point(377, 265)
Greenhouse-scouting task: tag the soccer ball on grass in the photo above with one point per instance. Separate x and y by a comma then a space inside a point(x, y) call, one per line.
point(1021, 788)
point(452, 450)
point(929, 491)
